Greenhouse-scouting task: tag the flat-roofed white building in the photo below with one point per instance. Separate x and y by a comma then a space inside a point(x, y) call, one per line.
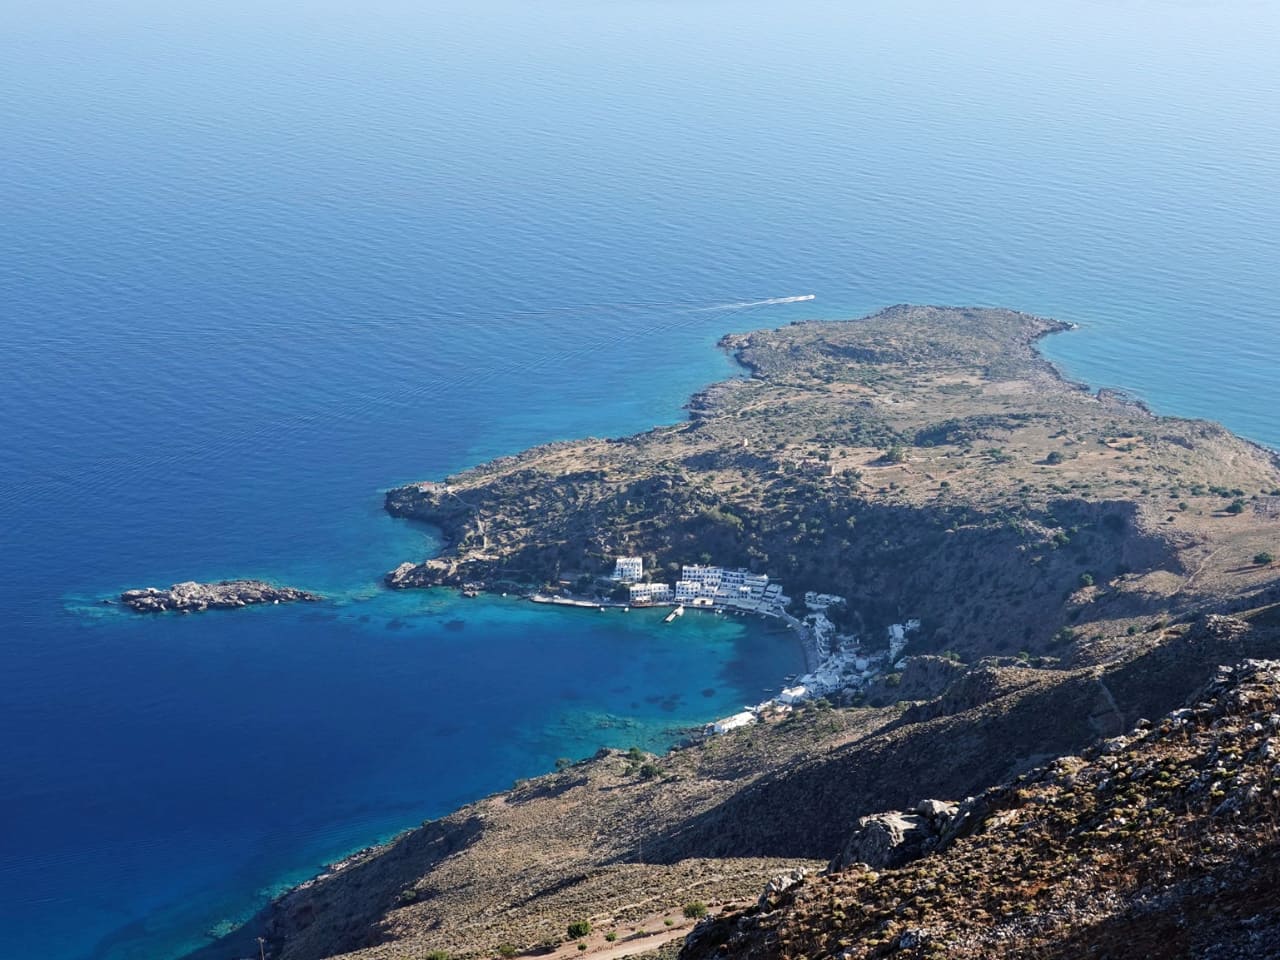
point(628, 569)
point(642, 593)
point(793, 694)
point(718, 585)
point(707, 577)
point(733, 723)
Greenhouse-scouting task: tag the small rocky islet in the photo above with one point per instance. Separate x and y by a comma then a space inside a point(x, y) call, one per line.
point(192, 597)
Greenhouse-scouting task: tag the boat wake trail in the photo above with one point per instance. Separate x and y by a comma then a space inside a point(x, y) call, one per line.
point(761, 303)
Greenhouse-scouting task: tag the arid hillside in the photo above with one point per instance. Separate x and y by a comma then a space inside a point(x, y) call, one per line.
point(1161, 843)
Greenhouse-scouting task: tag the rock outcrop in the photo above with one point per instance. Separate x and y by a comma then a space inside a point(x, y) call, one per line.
point(192, 597)
point(886, 840)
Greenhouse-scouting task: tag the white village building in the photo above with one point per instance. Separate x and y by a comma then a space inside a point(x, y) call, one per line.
point(642, 593)
point(793, 694)
point(733, 723)
point(628, 569)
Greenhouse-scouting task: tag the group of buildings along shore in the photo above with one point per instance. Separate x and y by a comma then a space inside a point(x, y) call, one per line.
point(703, 585)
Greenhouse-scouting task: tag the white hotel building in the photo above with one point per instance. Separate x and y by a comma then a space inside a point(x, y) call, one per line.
point(700, 584)
point(628, 569)
point(642, 593)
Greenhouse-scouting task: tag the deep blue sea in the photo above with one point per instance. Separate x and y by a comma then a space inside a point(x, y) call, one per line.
point(260, 261)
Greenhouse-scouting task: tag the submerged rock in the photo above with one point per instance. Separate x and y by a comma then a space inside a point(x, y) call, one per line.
point(190, 596)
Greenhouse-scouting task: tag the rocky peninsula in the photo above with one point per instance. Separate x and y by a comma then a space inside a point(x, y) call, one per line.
point(924, 462)
point(1061, 730)
point(192, 597)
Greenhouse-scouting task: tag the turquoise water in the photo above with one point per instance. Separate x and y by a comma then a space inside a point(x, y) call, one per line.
point(261, 261)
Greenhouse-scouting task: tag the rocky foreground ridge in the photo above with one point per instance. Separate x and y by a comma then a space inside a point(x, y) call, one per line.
point(192, 597)
point(1161, 843)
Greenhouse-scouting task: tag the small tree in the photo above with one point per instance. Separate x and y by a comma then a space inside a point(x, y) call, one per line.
point(1236, 506)
point(579, 929)
point(695, 910)
point(1263, 559)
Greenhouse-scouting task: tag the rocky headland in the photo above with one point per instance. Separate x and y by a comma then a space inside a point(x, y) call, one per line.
point(1079, 705)
point(924, 462)
point(192, 597)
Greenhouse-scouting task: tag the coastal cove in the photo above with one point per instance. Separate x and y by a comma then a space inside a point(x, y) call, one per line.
point(388, 710)
point(261, 265)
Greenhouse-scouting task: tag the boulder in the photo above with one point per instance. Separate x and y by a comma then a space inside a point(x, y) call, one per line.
point(783, 881)
point(883, 841)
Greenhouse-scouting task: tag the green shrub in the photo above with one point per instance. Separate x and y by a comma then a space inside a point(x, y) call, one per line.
point(1236, 506)
point(648, 771)
point(507, 950)
point(695, 910)
point(436, 955)
point(579, 929)
point(1086, 579)
point(1263, 558)
point(611, 936)
point(582, 946)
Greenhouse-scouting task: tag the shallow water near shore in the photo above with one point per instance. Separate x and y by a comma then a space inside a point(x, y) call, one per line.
point(260, 262)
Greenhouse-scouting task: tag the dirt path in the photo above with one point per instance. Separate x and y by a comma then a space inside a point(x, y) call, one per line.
point(1200, 569)
point(643, 936)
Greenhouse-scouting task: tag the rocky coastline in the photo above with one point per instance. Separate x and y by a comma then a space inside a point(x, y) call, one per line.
point(192, 597)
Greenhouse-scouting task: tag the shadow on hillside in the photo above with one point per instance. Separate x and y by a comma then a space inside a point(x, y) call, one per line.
point(809, 810)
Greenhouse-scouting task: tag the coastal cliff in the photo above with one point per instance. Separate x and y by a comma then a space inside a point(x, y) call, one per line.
point(1079, 565)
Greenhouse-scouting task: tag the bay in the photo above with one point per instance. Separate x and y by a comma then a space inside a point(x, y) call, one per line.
point(260, 262)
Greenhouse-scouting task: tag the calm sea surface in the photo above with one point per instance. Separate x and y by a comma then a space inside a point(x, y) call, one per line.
point(259, 261)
